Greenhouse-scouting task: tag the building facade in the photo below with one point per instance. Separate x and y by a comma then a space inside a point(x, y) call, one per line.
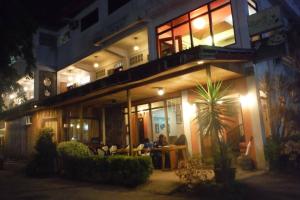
point(149, 55)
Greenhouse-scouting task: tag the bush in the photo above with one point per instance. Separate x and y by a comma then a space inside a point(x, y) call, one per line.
point(78, 163)
point(43, 161)
point(272, 152)
point(73, 149)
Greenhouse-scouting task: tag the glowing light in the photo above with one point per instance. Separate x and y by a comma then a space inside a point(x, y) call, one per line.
point(86, 127)
point(25, 89)
point(12, 96)
point(96, 65)
point(189, 110)
point(220, 102)
point(200, 62)
point(70, 78)
point(78, 126)
point(247, 100)
point(136, 48)
point(199, 23)
point(35, 106)
point(71, 125)
point(160, 91)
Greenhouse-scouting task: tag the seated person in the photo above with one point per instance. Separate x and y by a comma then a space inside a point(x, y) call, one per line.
point(156, 155)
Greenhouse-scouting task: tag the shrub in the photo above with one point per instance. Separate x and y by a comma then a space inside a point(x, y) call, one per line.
point(193, 173)
point(78, 163)
point(272, 152)
point(73, 149)
point(43, 161)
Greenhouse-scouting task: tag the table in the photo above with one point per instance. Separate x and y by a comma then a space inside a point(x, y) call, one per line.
point(172, 149)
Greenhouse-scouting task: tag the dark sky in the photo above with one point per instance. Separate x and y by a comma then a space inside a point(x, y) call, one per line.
point(50, 13)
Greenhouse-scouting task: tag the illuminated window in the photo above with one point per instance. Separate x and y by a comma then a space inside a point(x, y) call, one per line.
point(252, 7)
point(223, 31)
point(210, 24)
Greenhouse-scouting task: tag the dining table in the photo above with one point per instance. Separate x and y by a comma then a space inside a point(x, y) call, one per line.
point(173, 151)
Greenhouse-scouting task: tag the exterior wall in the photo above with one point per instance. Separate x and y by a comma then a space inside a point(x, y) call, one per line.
point(199, 145)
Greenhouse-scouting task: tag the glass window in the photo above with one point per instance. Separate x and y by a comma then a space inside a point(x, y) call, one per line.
point(158, 122)
point(175, 122)
point(165, 44)
point(218, 3)
point(180, 20)
point(252, 7)
point(164, 27)
point(201, 31)
point(251, 10)
point(222, 25)
point(198, 11)
point(157, 104)
point(182, 37)
point(142, 107)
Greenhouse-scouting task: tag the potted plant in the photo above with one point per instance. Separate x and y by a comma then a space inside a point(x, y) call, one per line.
point(215, 112)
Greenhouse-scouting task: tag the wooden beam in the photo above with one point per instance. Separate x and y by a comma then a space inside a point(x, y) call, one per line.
point(130, 123)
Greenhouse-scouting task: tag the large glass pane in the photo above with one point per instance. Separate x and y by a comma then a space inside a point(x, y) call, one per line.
point(198, 12)
point(182, 37)
point(158, 122)
point(164, 27)
point(218, 3)
point(201, 31)
point(175, 122)
point(144, 126)
point(180, 20)
point(165, 44)
point(251, 10)
point(157, 104)
point(223, 27)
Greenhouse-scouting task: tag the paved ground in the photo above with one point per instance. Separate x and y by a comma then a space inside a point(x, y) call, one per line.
point(15, 185)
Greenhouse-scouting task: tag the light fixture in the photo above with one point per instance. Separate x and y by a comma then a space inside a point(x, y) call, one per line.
point(96, 64)
point(78, 126)
point(12, 96)
point(247, 100)
point(136, 47)
point(71, 125)
point(199, 23)
point(35, 106)
point(160, 91)
point(200, 62)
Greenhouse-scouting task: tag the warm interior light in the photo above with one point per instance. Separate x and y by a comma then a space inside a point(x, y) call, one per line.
point(247, 100)
point(12, 96)
point(96, 65)
point(25, 89)
point(70, 78)
point(199, 23)
point(35, 106)
point(160, 91)
point(78, 126)
point(200, 62)
point(136, 48)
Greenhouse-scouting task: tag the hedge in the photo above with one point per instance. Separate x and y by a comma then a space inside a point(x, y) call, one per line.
point(118, 170)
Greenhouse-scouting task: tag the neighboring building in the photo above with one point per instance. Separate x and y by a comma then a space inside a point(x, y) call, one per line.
point(149, 55)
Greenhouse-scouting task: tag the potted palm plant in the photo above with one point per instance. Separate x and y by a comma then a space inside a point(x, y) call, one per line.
point(214, 115)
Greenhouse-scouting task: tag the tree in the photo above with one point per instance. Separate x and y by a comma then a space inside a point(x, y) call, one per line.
point(215, 112)
point(16, 39)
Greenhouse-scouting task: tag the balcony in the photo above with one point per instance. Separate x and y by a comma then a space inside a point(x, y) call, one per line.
point(124, 54)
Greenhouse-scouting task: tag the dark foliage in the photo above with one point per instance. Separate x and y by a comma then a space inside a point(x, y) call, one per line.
point(43, 163)
point(118, 170)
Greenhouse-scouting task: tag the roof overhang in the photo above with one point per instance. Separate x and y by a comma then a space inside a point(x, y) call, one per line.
point(179, 64)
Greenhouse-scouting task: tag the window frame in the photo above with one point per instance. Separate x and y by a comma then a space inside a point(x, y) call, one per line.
point(189, 21)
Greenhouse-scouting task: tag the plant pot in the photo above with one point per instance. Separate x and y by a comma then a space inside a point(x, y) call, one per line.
point(226, 175)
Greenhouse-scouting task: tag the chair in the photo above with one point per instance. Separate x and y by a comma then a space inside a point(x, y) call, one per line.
point(105, 149)
point(138, 150)
point(113, 149)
